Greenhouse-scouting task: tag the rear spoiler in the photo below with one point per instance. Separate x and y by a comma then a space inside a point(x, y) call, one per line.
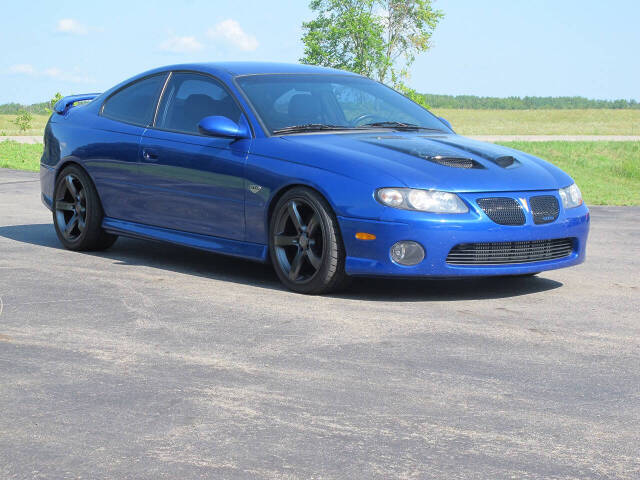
point(62, 106)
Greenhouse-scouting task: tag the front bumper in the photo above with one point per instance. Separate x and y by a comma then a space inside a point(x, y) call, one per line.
point(438, 234)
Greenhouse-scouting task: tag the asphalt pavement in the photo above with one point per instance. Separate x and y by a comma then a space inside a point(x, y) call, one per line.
point(150, 361)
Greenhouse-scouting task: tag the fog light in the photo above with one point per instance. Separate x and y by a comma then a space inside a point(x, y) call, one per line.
point(407, 253)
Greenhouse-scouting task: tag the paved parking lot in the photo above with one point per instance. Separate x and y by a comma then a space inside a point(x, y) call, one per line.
point(151, 361)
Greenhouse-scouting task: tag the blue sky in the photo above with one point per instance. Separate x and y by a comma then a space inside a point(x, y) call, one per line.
point(493, 47)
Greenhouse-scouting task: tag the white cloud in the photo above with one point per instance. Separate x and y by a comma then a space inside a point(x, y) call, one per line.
point(176, 44)
point(72, 76)
point(53, 72)
point(22, 68)
point(71, 26)
point(75, 75)
point(231, 31)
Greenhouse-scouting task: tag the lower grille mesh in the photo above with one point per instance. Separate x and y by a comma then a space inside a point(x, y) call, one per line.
point(498, 253)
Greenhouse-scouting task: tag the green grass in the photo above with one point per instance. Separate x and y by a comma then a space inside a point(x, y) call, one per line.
point(7, 127)
point(20, 156)
point(543, 122)
point(608, 173)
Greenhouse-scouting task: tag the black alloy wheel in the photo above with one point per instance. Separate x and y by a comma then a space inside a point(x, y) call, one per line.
point(77, 212)
point(306, 246)
point(71, 207)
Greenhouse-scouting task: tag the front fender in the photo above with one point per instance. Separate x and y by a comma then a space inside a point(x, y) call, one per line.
point(268, 177)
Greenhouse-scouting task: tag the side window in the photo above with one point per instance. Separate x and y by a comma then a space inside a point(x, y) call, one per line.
point(188, 98)
point(135, 103)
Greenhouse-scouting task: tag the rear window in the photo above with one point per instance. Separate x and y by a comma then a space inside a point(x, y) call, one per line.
point(135, 103)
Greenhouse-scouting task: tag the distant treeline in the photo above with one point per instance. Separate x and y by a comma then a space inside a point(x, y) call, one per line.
point(472, 102)
point(469, 102)
point(37, 108)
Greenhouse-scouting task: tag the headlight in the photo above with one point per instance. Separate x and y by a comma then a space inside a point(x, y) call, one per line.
point(422, 200)
point(571, 196)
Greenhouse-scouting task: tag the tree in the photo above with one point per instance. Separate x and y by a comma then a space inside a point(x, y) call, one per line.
point(23, 120)
point(346, 34)
point(52, 103)
point(376, 38)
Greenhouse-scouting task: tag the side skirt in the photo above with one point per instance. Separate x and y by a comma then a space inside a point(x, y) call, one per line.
point(236, 248)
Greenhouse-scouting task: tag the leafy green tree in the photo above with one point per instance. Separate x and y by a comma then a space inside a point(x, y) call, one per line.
point(346, 34)
point(52, 103)
point(23, 120)
point(376, 38)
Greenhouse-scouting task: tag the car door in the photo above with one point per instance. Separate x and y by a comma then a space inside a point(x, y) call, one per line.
point(112, 152)
point(192, 182)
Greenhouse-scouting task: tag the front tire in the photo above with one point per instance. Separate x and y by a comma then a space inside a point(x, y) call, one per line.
point(305, 244)
point(77, 212)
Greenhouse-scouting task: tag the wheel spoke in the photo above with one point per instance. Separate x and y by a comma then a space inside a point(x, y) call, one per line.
point(70, 186)
point(81, 224)
point(314, 260)
point(294, 214)
point(296, 265)
point(70, 224)
point(285, 240)
point(64, 206)
point(313, 224)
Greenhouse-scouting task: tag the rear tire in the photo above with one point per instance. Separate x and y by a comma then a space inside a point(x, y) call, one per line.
point(77, 212)
point(305, 243)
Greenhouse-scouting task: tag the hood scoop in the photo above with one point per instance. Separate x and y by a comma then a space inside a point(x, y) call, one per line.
point(409, 147)
point(505, 162)
point(454, 162)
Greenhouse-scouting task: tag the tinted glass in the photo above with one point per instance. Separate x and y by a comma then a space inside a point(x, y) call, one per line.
point(135, 103)
point(188, 98)
point(342, 100)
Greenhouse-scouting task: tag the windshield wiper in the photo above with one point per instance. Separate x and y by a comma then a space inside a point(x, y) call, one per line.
point(399, 126)
point(310, 127)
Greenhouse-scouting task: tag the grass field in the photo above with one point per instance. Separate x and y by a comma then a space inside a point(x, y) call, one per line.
point(7, 127)
point(20, 156)
point(483, 122)
point(543, 122)
point(608, 173)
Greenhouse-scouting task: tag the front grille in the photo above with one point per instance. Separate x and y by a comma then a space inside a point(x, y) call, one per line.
point(502, 210)
point(499, 253)
point(544, 208)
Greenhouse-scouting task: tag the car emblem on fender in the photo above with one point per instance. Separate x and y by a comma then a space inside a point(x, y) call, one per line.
point(253, 188)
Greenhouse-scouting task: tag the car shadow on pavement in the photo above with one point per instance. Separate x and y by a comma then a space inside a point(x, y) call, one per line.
point(188, 261)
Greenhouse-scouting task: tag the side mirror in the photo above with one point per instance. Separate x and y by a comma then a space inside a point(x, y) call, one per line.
point(446, 122)
point(216, 126)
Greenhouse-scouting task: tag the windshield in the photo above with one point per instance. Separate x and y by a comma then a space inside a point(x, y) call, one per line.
point(329, 102)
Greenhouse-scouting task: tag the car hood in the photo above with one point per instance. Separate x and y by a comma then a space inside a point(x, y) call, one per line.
point(434, 161)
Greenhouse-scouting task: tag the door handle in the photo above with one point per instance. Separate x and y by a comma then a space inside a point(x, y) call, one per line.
point(149, 155)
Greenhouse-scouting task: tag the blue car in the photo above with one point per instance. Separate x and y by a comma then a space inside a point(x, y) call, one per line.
point(324, 173)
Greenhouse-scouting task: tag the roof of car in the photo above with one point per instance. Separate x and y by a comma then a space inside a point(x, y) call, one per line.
point(253, 68)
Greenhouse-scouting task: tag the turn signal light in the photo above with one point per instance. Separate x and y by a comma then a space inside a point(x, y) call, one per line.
point(365, 236)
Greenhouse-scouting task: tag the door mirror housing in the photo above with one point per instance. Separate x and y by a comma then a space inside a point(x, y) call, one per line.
point(217, 126)
point(446, 122)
